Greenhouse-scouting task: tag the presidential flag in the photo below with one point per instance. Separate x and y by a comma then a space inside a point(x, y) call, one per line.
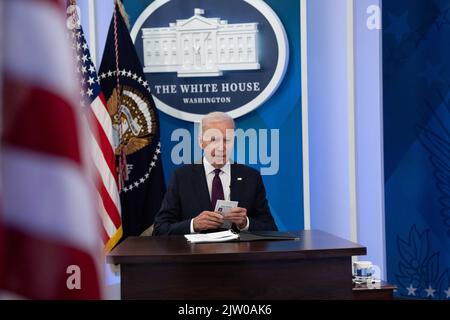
point(50, 240)
point(93, 105)
point(135, 130)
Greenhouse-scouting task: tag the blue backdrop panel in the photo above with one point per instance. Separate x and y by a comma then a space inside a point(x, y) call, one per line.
point(416, 51)
point(281, 111)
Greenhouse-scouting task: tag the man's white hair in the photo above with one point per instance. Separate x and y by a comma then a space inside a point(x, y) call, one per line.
point(216, 117)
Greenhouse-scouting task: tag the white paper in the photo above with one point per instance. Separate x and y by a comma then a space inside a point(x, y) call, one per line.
point(224, 206)
point(212, 237)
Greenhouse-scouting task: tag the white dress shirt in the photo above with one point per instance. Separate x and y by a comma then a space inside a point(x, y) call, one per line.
point(225, 178)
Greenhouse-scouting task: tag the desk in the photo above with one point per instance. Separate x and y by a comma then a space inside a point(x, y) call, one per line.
point(318, 266)
point(377, 291)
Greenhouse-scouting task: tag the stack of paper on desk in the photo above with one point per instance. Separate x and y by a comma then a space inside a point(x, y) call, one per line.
point(221, 236)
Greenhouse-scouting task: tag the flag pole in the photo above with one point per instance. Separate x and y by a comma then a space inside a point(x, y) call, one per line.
point(122, 167)
point(2, 33)
point(122, 11)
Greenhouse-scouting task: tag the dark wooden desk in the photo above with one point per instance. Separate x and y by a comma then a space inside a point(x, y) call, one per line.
point(318, 266)
point(377, 291)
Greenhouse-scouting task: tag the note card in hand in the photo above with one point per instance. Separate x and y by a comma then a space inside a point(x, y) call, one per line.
point(222, 207)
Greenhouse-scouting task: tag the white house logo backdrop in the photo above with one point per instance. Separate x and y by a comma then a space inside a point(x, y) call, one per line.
point(201, 55)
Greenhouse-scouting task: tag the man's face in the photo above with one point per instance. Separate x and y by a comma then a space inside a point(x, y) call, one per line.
point(217, 142)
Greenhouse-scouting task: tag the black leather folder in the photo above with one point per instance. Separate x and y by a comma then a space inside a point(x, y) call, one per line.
point(265, 235)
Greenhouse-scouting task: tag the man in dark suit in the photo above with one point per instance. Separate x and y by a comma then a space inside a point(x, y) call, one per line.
point(194, 189)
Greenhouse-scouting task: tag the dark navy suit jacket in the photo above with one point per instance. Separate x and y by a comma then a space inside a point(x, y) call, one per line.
point(187, 196)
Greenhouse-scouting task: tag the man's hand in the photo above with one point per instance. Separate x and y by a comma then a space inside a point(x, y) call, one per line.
point(238, 216)
point(207, 220)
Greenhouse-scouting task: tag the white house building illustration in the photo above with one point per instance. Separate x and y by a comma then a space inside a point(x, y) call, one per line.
point(201, 47)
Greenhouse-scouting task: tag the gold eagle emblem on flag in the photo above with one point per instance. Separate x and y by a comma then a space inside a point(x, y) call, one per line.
point(133, 120)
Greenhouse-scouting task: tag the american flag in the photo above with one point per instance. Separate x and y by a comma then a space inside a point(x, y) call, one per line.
point(102, 144)
point(50, 221)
